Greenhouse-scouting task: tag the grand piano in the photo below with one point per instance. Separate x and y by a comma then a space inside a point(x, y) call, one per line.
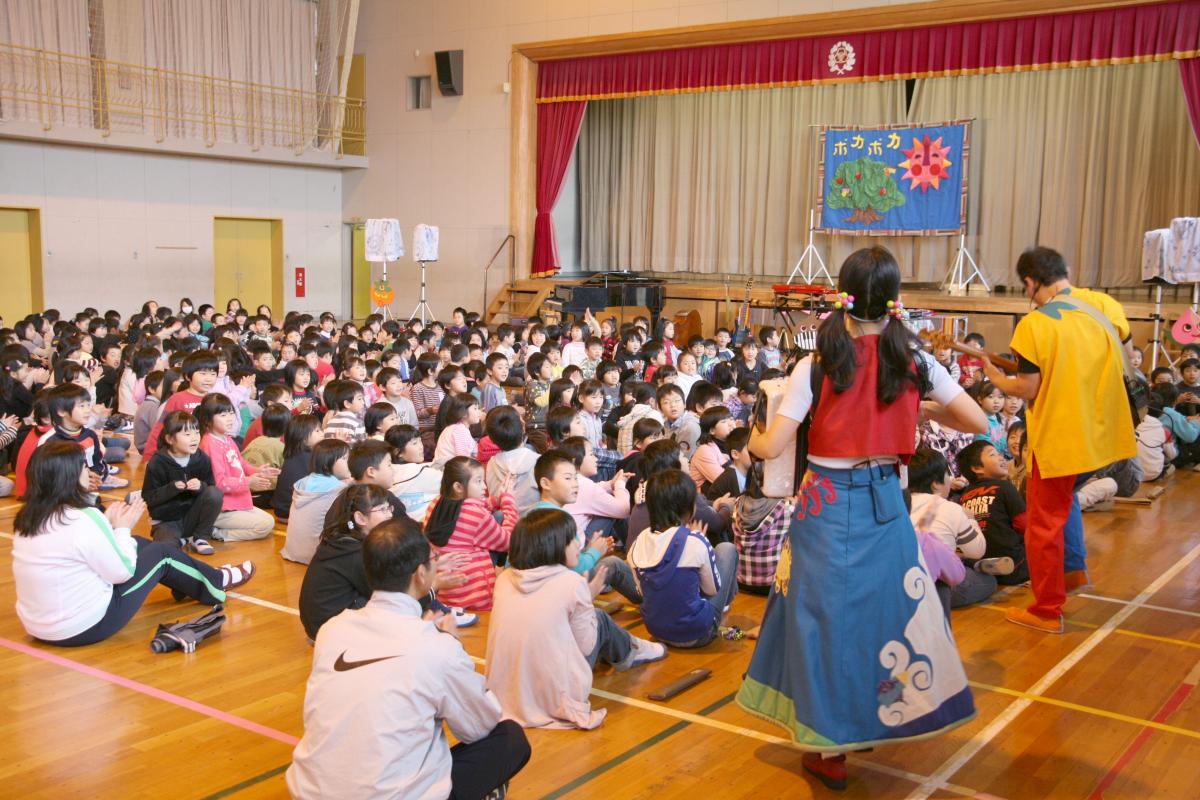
point(609, 290)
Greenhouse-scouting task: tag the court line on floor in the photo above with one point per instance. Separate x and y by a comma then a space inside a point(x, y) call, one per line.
point(1119, 601)
point(1152, 724)
point(229, 791)
point(981, 739)
point(150, 691)
point(1168, 708)
point(1122, 631)
point(638, 748)
point(682, 715)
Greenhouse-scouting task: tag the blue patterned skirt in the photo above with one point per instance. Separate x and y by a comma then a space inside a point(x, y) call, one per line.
point(855, 649)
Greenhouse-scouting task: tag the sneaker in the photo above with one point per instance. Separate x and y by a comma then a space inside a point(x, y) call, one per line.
point(235, 575)
point(642, 652)
point(126, 426)
point(1027, 619)
point(1076, 579)
point(1103, 505)
point(464, 618)
point(113, 483)
point(829, 771)
point(499, 793)
point(113, 470)
point(200, 547)
point(1002, 565)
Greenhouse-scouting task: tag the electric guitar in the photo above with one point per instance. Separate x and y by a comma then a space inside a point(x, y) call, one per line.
point(938, 340)
point(742, 328)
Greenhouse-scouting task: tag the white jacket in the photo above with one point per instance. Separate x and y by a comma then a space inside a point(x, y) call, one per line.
point(416, 485)
point(383, 681)
point(65, 575)
point(952, 524)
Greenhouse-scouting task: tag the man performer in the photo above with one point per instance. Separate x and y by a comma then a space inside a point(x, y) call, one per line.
point(1071, 374)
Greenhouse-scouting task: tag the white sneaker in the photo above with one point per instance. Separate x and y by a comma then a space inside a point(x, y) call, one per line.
point(464, 618)
point(642, 652)
point(200, 547)
point(113, 483)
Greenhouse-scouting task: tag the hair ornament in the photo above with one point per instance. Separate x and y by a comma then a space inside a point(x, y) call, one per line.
point(897, 310)
point(844, 301)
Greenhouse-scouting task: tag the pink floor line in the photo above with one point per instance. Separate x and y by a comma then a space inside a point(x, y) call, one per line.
point(150, 691)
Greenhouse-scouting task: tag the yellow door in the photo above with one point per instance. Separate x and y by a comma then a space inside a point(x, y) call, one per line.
point(20, 264)
point(248, 262)
point(360, 279)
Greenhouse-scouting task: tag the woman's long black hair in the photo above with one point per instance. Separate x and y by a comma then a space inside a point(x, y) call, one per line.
point(872, 276)
point(53, 487)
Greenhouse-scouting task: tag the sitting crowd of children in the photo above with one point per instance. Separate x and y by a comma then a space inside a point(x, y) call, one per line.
point(546, 466)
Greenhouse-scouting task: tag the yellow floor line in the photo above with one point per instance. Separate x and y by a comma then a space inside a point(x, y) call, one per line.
point(1122, 631)
point(1096, 712)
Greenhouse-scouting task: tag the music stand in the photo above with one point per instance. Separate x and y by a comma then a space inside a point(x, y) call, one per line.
point(810, 253)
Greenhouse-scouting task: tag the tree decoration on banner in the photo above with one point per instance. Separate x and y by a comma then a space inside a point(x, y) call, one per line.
point(894, 180)
point(867, 187)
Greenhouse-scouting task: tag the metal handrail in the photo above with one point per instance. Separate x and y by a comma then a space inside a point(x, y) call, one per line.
point(50, 88)
point(511, 265)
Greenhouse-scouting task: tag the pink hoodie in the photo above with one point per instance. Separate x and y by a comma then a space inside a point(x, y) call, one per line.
point(596, 500)
point(545, 611)
point(231, 473)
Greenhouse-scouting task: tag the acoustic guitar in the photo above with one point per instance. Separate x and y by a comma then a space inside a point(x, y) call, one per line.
point(742, 330)
point(938, 340)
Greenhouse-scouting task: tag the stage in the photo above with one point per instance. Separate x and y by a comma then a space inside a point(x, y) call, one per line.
point(994, 316)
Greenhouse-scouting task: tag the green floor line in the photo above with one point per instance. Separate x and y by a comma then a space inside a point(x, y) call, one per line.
point(246, 784)
point(640, 747)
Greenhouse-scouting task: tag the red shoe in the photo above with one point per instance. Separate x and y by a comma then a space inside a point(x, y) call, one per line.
point(829, 771)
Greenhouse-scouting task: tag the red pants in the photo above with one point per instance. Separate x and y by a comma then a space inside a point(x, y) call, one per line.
point(1049, 505)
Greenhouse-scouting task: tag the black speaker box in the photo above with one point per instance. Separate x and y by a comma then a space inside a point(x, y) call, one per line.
point(449, 72)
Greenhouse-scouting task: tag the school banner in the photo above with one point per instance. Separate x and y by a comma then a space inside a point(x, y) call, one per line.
point(894, 180)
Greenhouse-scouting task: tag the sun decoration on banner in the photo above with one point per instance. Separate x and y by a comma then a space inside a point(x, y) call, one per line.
point(841, 58)
point(926, 164)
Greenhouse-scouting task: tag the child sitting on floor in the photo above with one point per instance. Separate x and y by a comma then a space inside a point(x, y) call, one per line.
point(460, 521)
point(329, 472)
point(179, 487)
point(686, 583)
point(300, 435)
point(710, 458)
point(933, 514)
point(414, 483)
point(542, 605)
point(760, 525)
point(460, 412)
point(239, 520)
point(997, 506)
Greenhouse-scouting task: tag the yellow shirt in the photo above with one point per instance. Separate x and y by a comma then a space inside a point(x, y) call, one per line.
point(1080, 420)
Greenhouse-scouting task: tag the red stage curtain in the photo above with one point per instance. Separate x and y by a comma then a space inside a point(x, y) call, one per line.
point(557, 131)
point(1085, 38)
point(1189, 73)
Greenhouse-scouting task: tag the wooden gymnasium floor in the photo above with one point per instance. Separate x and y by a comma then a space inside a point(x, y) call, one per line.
point(1107, 710)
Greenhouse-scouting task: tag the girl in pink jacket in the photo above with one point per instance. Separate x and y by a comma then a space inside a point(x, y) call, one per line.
point(239, 520)
point(543, 607)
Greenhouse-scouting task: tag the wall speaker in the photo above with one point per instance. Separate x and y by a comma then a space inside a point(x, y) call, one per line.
point(449, 72)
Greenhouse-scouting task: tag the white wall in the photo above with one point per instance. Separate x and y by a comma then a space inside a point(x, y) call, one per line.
point(121, 227)
point(449, 166)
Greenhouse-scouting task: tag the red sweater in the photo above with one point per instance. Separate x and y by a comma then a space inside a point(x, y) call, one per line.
point(477, 533)
point(187, 400)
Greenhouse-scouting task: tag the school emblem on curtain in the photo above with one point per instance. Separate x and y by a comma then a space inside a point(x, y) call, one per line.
point(894, 180)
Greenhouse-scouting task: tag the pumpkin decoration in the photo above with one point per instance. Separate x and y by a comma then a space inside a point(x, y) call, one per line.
point(382, 294)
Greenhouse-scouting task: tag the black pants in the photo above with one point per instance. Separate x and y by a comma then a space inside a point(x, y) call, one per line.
point(156, 563)
point(480, 767)
point(197, 523)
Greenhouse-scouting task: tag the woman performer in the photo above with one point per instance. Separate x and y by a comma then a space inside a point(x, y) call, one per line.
point(855, 649)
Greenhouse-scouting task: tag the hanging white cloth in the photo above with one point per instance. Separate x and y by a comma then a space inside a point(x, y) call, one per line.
point(384, 240)
point(425, 243)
